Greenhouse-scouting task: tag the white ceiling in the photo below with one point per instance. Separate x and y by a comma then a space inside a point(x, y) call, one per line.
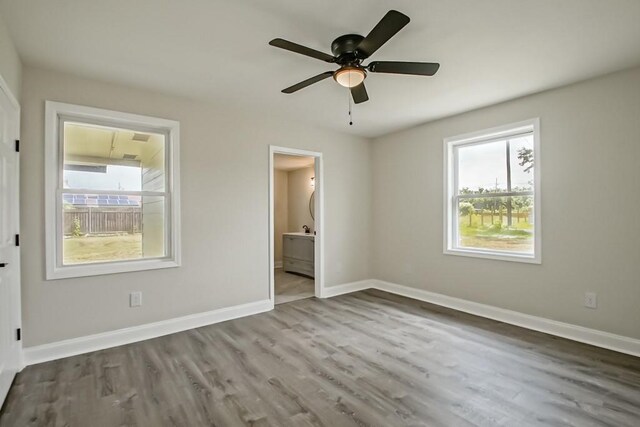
point(290, 163)
point(490, 50)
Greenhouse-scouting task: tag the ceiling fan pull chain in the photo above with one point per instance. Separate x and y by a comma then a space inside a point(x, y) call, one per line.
point(350, 115)
point(349, 98)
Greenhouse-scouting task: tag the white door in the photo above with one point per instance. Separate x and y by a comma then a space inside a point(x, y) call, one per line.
point(10, 347)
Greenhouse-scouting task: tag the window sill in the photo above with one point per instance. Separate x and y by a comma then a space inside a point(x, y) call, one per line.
point(498, 256)
point(99, 269)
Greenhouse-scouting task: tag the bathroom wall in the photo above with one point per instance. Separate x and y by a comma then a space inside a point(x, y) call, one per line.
point(300, 190)
point(280, 211)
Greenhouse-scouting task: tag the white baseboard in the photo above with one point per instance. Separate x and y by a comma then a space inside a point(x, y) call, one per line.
point(80, 345)
point(347, 288)
point(75, 346)
point(6, 379)
point(594, 337)
point(277, 264)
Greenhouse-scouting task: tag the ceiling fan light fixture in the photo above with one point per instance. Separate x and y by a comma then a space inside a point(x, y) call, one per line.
point(349, 76)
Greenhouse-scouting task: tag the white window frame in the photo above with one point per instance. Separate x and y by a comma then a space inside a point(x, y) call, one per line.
point(55, 114)
point(451, 187)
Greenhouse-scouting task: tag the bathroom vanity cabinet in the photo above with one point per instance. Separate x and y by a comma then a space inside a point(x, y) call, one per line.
point(298, 251)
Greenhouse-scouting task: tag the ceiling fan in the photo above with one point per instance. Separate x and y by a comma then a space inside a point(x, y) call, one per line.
point(350, 50)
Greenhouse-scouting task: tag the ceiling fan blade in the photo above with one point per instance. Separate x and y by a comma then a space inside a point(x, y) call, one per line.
point(394, 67)
point(308, 82)
point(303, 50)
point(359, 93)
point(388, 26)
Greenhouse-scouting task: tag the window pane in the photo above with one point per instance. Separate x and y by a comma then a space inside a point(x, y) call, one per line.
point(521, 154)
point(153, 226)
point(496, 223)
point(107, 158)
point(482, 167)
point(101, 228)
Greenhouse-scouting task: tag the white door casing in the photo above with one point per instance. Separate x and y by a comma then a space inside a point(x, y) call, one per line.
point(318, 223)
point(10, 347)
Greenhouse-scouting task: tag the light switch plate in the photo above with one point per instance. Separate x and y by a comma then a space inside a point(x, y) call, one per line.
point(135, 299)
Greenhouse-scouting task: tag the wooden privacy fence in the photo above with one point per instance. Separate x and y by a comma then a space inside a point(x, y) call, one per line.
point(103, 221)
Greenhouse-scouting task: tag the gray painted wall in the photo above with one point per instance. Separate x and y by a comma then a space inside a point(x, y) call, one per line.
point(225, 205)
point(590, 146)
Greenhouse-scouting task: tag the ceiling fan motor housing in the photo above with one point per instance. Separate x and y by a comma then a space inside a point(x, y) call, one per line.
point(344, 48)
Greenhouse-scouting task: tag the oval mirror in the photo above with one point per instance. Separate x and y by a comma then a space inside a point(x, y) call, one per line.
point(312, 205)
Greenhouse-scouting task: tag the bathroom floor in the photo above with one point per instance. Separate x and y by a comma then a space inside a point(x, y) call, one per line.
point(292, 287)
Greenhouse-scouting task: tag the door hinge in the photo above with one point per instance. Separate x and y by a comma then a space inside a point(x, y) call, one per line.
point(17, 145)
point(17, 240)
point(19, 334)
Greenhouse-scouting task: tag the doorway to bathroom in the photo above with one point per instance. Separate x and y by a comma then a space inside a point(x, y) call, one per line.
point(295, 195)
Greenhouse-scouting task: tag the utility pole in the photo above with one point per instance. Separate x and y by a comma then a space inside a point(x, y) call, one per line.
point(508, 183)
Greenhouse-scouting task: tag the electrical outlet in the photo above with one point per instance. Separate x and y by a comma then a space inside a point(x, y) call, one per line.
point(590, 300)
point(135, 299)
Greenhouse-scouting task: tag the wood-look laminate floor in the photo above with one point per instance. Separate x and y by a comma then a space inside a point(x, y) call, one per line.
point(367, 358)
point(292, 287)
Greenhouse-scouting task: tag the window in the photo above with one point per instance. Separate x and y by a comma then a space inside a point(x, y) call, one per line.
point(492, 194)
point(112, 192)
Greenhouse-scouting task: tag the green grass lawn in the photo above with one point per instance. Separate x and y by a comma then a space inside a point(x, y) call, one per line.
point(79, 250)
point(496, 236)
